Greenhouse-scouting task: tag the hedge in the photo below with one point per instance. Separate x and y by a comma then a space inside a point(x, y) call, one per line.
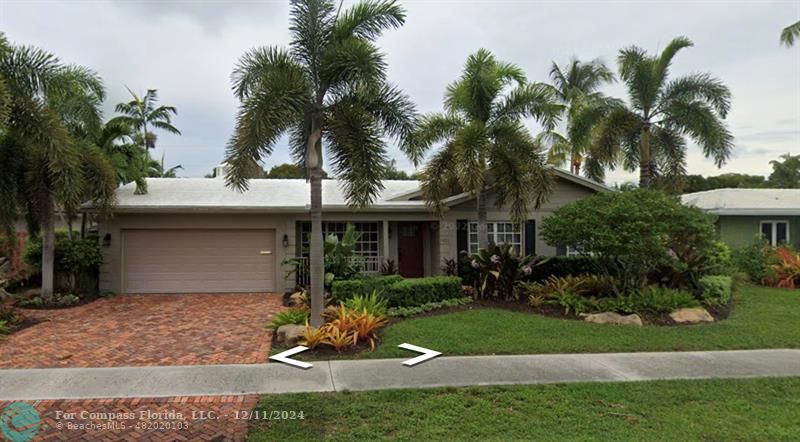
point(400, 292)
point(716, 289)
point(418, 291)
point(345, 289)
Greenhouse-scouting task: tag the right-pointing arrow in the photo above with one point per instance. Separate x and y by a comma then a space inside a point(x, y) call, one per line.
point(426, 354)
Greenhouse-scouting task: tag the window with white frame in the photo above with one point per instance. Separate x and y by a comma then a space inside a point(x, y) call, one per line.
point(775, 232)
point(576, 251)
point(368, 243)
point(500, 232)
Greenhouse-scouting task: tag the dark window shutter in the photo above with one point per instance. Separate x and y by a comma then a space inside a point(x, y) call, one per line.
point(530, 237)
point(462, 228)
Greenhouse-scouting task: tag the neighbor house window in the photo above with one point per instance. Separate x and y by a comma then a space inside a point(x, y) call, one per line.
point(367, 244)
point(499, 233)
point(578, 250)
point(775, 232)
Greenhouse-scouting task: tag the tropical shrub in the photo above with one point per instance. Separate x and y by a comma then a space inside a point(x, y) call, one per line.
point(571, 302)
point(344, 327)
point(59, 300)
point(599, 285)
point(74, 257)
point(4, 328)
point(418, 291)
point(338, 338)
point(500, 268)
point(783, 270)
point(662, 300)
point(716, 289)
point(449, 267)
point(633, 233)
point(296, 316)
point(313, 336)
point(365, 327)
point(341, 260)
point(753, 260)
point(388, 267)
point(372, 303)
point(345, 289)
point(404, 312)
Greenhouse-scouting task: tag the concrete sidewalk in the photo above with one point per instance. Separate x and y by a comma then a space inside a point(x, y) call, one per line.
point(210, 380)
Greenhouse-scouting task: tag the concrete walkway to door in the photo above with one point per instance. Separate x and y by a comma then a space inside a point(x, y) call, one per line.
point(78, 383)
point(142, 330)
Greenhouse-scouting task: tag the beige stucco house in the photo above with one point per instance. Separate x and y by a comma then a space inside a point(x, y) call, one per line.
point(196, 235)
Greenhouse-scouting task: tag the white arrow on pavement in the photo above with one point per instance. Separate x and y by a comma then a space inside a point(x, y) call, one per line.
point(426, 354)
point(284, 357)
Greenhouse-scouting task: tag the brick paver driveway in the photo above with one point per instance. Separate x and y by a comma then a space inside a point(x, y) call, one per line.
point(138, 330)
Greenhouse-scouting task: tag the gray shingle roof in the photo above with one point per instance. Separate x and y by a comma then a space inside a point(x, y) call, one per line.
point(746, 201)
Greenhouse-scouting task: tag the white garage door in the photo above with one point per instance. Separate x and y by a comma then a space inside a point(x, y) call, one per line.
point(198, 261)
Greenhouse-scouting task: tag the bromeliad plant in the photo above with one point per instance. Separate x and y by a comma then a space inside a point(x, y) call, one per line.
point(345, 327)
point(500, 269)
point(784, 271)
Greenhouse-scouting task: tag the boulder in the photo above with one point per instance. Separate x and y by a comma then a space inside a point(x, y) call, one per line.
point(613, 318)
point(691, 315)
point(290, 334)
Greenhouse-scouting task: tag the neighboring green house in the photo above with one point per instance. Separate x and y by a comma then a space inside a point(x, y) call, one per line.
point(745, 213)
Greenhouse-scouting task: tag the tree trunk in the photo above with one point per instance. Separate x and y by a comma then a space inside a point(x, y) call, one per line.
point(645, 159)
point(483, 231)
point(317, 252)
point(48, 256)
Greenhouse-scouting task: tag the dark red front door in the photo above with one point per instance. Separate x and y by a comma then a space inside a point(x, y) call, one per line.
point(409, 250)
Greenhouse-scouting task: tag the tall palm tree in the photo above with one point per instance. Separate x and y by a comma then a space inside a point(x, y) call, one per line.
point(330, 86)
point(141, 113)
point(790, 34)
point(158, 170)
point(649, 132)
point(46, 164)
point(576, 87)
point(485, 143)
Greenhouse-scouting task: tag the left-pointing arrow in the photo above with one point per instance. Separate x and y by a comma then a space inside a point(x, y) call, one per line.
point(284, 357)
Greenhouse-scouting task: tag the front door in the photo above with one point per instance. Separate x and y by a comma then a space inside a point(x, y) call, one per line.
point(409, 250)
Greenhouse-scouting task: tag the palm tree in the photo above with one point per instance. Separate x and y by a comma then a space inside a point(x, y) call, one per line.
point(141, 112)
point(576, 87)
point(650, 132)
point(157, 169)
point(790, 33)
point(46, 163)
point(484, 141)
point(330, 86)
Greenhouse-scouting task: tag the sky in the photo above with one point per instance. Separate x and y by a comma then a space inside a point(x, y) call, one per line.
point(187, 50)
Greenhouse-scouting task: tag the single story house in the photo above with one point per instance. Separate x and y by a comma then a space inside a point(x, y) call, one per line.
point(197, 235)
point(744, 214)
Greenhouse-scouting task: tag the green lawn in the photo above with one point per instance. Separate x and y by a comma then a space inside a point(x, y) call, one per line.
point(763, 318)
point(720, 410)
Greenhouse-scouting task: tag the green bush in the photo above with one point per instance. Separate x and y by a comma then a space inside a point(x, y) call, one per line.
point(296, 316)
point(634, 233)
point(716, 289)
point(418, 291)
point(73, 258)
point(403, 312)
point(4, 329)
point(662, 300)
point(753, 260)
point(342, 290)
point(500, 269)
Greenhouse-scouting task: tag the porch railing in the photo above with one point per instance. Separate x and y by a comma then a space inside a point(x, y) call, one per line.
point(370, 265)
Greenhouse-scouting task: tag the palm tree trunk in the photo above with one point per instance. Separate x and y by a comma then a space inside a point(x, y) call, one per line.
point(48, 255)
point(645, 160)
point(483, 232)
point(317, 253)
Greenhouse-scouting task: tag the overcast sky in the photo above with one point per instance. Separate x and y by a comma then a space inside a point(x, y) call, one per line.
point(187, 49)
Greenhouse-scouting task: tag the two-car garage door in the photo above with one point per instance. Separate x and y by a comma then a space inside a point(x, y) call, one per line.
point(198, 261)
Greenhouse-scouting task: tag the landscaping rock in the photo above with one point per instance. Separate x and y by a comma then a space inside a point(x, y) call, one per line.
point(691, 315)
point(613, 318)
point(290, 334)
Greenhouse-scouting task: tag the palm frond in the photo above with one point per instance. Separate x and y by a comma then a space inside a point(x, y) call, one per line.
point(693, 87)
point(439, 180)
point(699, 121)
point(790, 34)
point(353, 61)
point(368, 19)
